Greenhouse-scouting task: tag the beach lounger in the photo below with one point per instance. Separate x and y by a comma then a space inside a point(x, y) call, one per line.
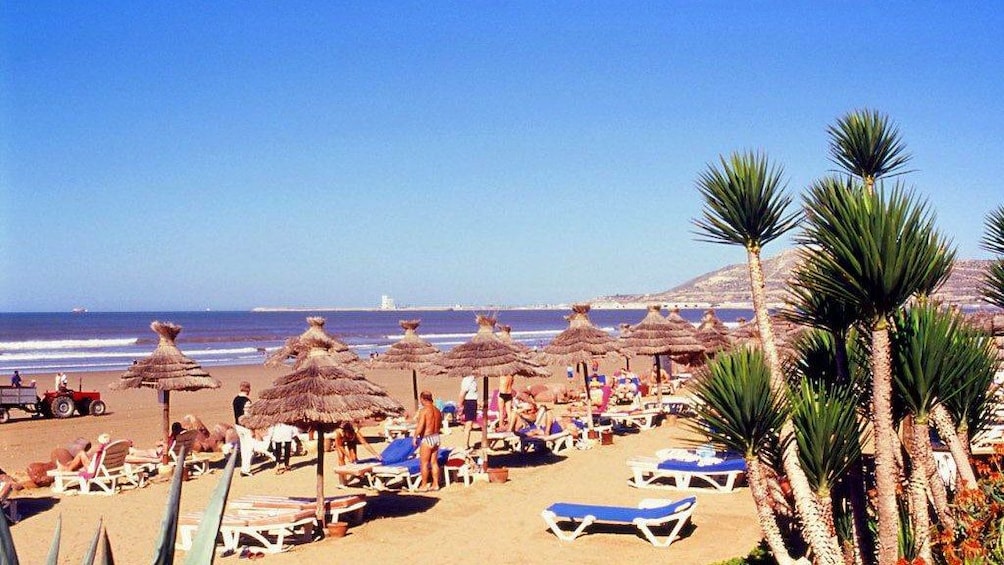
point(334, 506)
point(503, 440)
point(557, 441)
point(394, 428)
point(196, 463)
point(651, 513)
point(407, 473)
point(268, 529)
point(643, 419)
point(395, 452)
point(656, 472)
point(108, 469)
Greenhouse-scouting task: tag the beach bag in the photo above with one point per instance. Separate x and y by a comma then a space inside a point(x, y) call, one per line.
point(37, 473)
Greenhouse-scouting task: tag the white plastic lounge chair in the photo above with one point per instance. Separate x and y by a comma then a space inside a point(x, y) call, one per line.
point(407, 473)
point(268, 529)
point(107, 469)
point(557, 441)
point(643, 419)
point(651, 513)
point(334, 506)
point(196, 463)
point(394, 453)
point(655, 472)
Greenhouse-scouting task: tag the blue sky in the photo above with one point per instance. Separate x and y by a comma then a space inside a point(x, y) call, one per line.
point(236, 154)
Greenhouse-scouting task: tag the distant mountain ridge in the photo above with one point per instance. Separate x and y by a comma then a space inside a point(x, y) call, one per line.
point(730, 286)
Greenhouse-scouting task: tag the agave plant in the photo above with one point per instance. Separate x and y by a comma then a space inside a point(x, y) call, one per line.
point(743, 413)
point(203, 547)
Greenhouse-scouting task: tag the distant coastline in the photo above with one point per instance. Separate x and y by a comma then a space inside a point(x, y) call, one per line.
point(596, 305)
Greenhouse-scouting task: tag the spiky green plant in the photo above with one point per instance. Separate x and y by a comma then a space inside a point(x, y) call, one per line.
point(743, 413)
point(827, 430)
point(867, 145)
point(877, 250)
point(993, 241)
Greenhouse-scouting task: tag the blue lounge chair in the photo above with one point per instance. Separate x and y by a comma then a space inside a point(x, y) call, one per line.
point(651, 513)
point(407, 472)
point(652, 472)
point(396, 452)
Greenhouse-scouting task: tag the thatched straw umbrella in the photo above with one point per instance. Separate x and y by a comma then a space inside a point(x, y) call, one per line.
point(579, 344)
point(786, 332)
point(318, 395)
point(623, 330)
point(713, 333)
point(411, 352)
point(657, 336)
point(485, 355)
point(296, 348)
point(166, 369)
point(505, 334)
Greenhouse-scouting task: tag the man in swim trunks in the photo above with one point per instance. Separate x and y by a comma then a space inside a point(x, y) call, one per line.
point(427, 428)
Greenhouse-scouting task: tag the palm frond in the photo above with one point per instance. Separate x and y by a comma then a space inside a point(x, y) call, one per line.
point(828, 431)
point(866, 144)
point(737, 404)
point(874, 251)
point(993, 284)
point(744, 203)
point(993, 239)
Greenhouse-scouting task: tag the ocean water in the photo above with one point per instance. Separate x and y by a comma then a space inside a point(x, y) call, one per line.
point(41, 343)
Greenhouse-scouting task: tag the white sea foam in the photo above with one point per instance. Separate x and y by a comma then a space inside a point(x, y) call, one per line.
point(54, 355)
point(468, 335)
point(48, 344)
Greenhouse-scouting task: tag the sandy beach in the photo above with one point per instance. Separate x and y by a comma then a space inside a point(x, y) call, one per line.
point(484, 521)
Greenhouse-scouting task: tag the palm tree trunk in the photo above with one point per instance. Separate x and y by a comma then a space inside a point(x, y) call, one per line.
point(822, 539)
point(885, 445)
point(765, 513)
point(919, 517)
point(946, 429)
point(939, 494)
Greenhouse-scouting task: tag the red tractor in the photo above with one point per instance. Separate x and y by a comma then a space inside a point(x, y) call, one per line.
point(60, 404)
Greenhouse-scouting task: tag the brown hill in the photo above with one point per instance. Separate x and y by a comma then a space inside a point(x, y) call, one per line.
point(730, 285)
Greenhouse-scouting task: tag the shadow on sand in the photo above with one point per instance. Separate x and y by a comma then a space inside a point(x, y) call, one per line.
point(389, 504)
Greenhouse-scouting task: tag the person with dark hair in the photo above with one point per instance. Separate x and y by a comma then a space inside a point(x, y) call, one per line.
point(15, 380)
point(241, 401)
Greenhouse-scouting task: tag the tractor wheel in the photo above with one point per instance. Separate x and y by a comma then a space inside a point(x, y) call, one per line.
point(98, 408)
point(4, 415)
point(63, 407)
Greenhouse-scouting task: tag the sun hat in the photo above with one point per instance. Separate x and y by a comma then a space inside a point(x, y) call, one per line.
point(105, 438)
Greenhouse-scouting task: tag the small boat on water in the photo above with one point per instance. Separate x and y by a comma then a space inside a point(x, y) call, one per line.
point(79, 310)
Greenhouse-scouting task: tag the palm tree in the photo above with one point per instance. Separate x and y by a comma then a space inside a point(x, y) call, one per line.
point(931, 363)
point(744, 205)
point(875, 251)
point(743, 411)
point(993, 241)
point(865, 144)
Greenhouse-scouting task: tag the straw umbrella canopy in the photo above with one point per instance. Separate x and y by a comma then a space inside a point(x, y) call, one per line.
point(713, 333)
point(579, 344)
point(505, 334)
point(656, 336)
point(411, 352)
point(166, 369)
point(297, 348)
point(485, 355)
point(318, 395)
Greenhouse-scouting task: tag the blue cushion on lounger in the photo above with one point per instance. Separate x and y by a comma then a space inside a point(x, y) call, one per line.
point(621, 514)
point(398, 450)
point(731, 464)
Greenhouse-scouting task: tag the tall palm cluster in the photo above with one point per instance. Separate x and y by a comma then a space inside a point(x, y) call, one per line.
point(846, 419)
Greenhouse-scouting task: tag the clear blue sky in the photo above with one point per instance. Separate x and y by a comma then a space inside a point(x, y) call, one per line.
point(234, 154)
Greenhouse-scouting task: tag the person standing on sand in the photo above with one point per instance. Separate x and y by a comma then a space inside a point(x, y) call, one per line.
point(505, 398)
point(469, 401)
point(241, 401)
point(427, 428)
point(16, 379)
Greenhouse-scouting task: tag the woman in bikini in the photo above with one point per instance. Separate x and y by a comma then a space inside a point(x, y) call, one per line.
point(347, 439)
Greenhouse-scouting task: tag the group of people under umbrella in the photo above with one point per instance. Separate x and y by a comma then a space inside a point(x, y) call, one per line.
point(327, 387)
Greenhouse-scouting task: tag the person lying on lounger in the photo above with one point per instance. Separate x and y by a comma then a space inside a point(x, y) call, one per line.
point(83, 458)
point(532, 420)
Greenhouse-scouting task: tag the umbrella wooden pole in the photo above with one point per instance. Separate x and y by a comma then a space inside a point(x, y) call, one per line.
point(589, 397)
point(166, 425)
point(484, 425)
point(658, 380)
point(320, 477)
point(414, 388)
